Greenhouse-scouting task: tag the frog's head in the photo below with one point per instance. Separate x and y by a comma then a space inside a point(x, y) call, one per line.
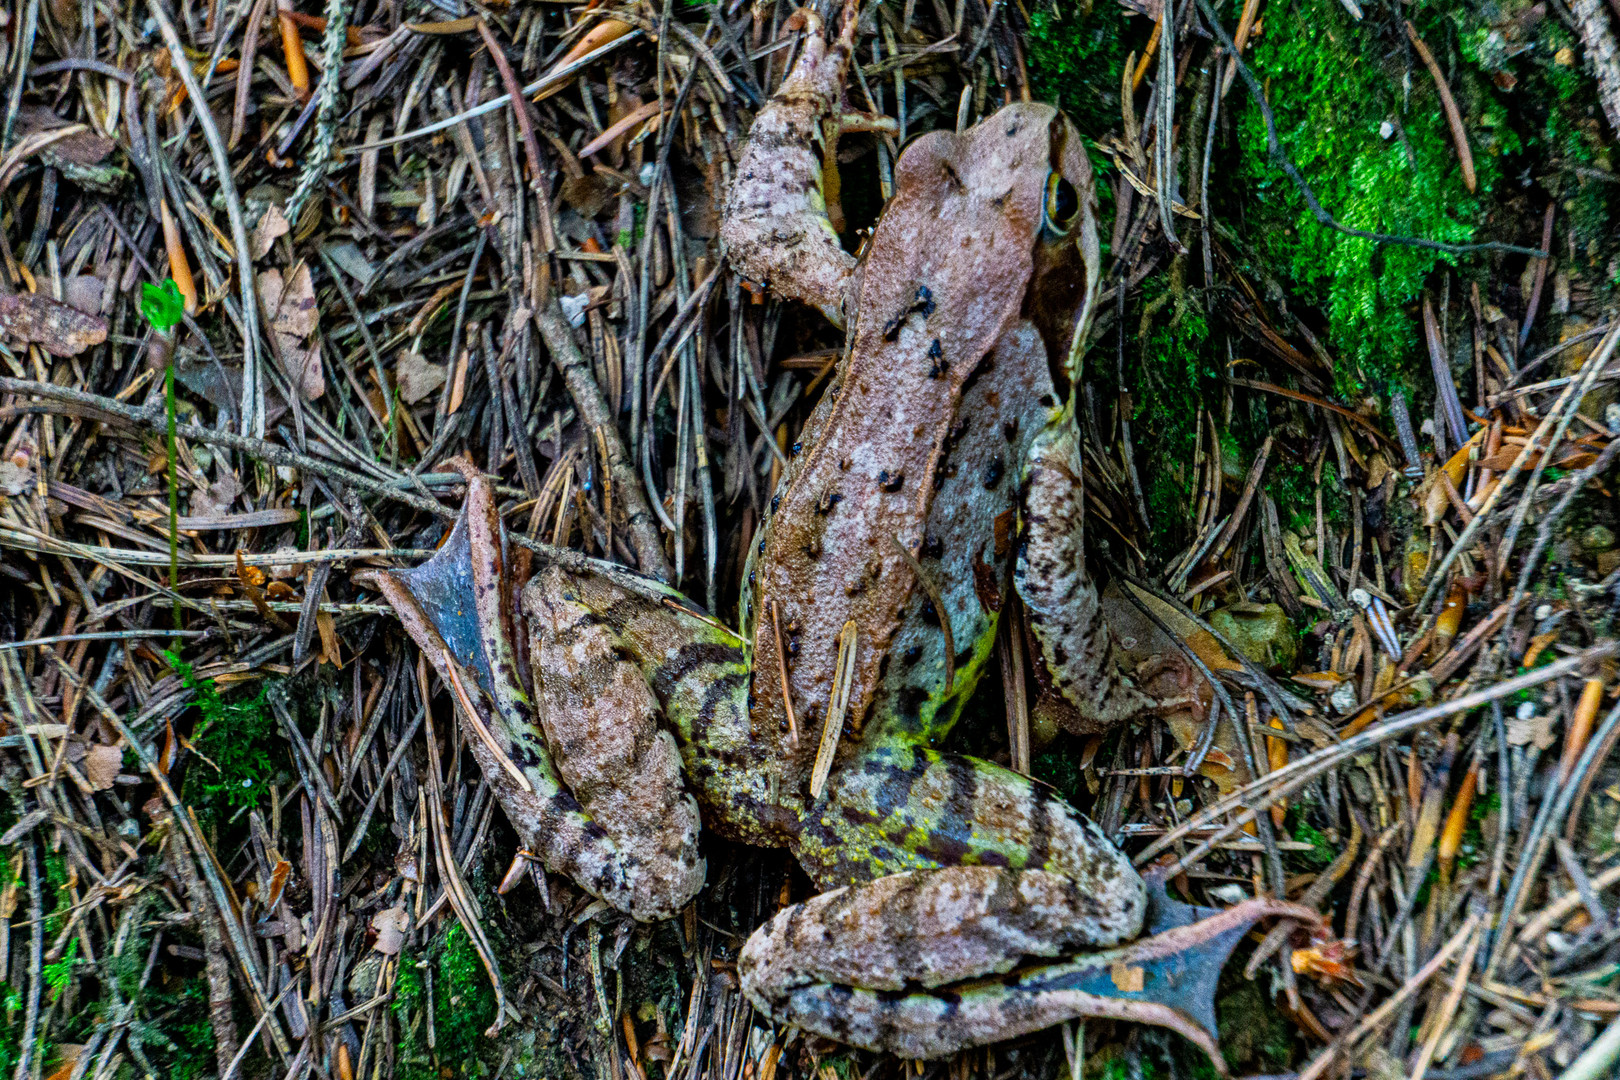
point(1006, 213)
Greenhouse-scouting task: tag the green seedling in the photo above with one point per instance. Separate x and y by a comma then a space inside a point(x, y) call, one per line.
point(162, 305)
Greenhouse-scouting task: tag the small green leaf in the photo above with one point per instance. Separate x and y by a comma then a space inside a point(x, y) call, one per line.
point(162, 305)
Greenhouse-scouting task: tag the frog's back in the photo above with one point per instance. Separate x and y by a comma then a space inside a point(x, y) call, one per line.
point(918, 445)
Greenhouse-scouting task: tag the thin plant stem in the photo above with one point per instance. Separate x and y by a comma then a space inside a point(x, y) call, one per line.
point(174, 487)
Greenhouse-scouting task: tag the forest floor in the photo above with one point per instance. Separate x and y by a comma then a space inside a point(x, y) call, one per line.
point(1350, 412)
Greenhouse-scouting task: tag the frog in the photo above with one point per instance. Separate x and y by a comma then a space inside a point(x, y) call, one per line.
point(936, 483)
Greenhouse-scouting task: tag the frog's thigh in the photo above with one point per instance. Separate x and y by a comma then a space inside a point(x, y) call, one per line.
point(839, 963)
point(603, 724)
point(1050, 574)
point(902, 808)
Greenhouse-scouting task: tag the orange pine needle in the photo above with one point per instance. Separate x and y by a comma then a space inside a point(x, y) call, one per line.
point(1580, 727)
point(1277, 758)
point(293, 46)
point(179, 268)
point(317, 23)
point(1147, 55)
point(1457, 821)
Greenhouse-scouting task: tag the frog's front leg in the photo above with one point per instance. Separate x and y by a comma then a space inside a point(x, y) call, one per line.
point(775, 228)
point(1065, 612)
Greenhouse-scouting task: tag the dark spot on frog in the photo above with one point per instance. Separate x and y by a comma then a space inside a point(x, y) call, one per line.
point(891, 482)
point(883, 665)
point(827, 502)
point(908, 706)
point(891, 329)
point(938, 364)
point(925, 301)
point(792, 646)
point(1047, 401)
point(776, 500)
point(984, 367)
point(762, 545)
point(751, 576)
point(993, 473)
point(985, 585)
point(1004, 524)
point(932, 547)
point(911, 656)
point(1009, 429)
point(795, 448)
point(963, 657)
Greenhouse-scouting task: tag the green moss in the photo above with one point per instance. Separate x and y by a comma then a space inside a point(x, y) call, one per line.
point(1321, 853)
point(1293, 486)
point(1254, 1034)
point(180, 1033)
point(1171, 373)
point(235, 737)
point(60, 972)
point(1059, 765)
point(1332, 94)
point(463, 1007)
point(1076, 59)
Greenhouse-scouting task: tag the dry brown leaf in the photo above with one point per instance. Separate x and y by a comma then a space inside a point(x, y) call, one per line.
point(101, 765)
point(295, 311)
point(329, 639)
point(390, 926)
point(290, 301)
point(55, 327)
point(416, 377)
point(271, 226)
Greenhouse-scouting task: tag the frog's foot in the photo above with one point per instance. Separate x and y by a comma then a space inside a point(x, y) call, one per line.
point(924, 964)
point(621, 826)
point(775, 227)
point(1065, 612)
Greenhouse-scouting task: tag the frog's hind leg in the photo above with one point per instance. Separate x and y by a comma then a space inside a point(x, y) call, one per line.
point(1065, 613)
point(925, 963)
point(903, 808)
point(622, 826)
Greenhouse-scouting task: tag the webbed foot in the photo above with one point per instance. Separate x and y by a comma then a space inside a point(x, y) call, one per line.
point(925, 963)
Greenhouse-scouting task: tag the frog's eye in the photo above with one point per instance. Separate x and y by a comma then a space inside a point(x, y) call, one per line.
point(1062, 203)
